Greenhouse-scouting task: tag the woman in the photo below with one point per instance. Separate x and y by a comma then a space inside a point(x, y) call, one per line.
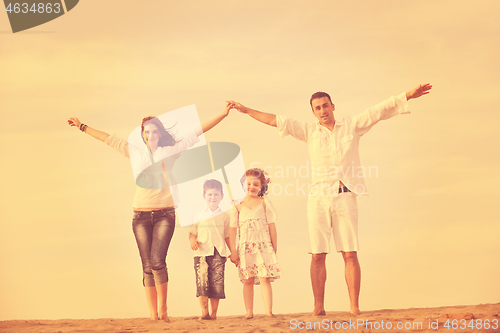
point(154, 215)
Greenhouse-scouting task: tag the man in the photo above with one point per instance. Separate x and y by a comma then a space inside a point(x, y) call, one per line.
point(336, 180)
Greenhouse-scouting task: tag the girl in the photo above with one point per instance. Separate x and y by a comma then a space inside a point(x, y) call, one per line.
point(153, 221)
point(254, 218)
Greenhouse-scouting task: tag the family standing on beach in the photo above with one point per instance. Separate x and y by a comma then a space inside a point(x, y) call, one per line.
point(331, 208)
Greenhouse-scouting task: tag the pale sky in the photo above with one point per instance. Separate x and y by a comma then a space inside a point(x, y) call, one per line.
point(428, 231)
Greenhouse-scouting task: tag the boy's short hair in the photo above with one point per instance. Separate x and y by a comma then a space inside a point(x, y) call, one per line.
point(317, 95)
point(212, 183)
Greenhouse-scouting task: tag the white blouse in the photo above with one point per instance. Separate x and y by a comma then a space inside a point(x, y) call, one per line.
point(152, 191)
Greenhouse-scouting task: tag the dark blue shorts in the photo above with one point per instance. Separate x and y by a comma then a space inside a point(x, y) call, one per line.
point(210, 275)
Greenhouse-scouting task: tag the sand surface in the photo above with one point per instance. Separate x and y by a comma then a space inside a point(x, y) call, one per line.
point(473, 318)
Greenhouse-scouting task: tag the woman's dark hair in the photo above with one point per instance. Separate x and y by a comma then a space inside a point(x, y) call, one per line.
point(263, 177)
point(166, 139)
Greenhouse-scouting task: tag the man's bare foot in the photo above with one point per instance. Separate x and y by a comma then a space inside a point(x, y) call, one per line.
point(249, 316)
point(165, 318)
point(213, 316)
point(270, 316)
point(319, 312)
point(205, 317)
point(355, 311)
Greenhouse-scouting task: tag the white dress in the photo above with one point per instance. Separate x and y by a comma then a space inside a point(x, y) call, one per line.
point(255, 250)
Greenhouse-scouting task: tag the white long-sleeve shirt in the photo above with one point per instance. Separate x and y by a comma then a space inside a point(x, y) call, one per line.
point(334, 154)
point(152, 190)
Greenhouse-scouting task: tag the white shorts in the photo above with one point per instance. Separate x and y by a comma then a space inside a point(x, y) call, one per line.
point(338, 214)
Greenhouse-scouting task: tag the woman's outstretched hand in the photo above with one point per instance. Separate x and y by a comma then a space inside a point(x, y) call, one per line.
point(101, 136)
point(74, 122)
point(228, 108)
point(238, 106)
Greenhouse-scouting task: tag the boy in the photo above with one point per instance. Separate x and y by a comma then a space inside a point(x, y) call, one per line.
point(208, 237)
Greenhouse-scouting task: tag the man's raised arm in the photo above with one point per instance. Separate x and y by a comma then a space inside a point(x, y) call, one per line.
point(418, 91)
point(266, 118)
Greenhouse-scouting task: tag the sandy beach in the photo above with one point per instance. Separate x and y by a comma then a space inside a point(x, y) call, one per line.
point(471, 318)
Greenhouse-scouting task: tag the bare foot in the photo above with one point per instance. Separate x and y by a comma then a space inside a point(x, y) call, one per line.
point(320, 312)
point(153, 316)
point(213, 316)
point(249, 316)
point(270, 316)
point(205, 317)
point(355, 311)
point(165, 318)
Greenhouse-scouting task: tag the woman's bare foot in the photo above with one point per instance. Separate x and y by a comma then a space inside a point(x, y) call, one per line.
point(205, 317)
point(213, 316)
point(270, 316)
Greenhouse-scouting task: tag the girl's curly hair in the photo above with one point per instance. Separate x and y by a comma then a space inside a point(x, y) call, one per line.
point(261, 175)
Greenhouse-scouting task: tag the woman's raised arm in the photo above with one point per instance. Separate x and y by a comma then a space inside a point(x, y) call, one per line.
point(214, 121)
point(89, 130)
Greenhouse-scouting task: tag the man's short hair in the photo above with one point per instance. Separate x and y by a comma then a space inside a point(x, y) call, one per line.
point(212, 183)
point(317, 95)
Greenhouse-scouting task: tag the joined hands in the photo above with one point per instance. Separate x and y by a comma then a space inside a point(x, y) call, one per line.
point(238, 106)
point(234, 259)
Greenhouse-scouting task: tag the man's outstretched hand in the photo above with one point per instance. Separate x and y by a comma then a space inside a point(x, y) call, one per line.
point(422, 89)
